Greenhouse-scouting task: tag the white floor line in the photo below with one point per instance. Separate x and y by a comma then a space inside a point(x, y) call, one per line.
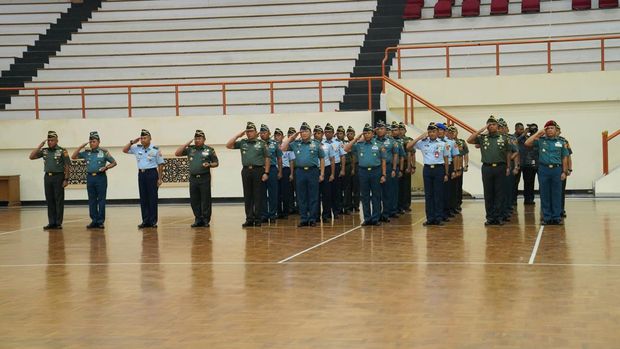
point(317, 245)
point(327, 263)
point(32, 228)
point(533, 256)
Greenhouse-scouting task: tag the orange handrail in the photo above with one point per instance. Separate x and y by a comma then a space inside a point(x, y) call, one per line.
point(271, 86)
point(606, 138)
point(497, 44)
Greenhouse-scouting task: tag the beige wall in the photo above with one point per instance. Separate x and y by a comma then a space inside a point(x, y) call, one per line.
point(584, 104)
point(18, 137)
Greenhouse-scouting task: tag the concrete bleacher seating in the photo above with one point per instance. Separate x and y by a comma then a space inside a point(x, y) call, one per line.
point(156, 41)
point(21, 22)
point(556, 19)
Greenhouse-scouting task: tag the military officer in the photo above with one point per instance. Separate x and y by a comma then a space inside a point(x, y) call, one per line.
point(339, 169)
point(436, 172)
point(404, 186)
point(391, 161)
point(494, 148)
point(56, 164)
point(513, 165)
point(309, 172)
point(371, 170)
point(150, 170)
point(345, 166)
point(449, 191)
point(552, 169)
point(463, 160)
point(529, 164)
point(519, 131)
point(394, 133)
point(202, 159)
point(351, 180)
point(98, 162)
point(256, 162)
point(569, 171)
point(284, 182)
point(270, 203)
point(325, 191)
point(294, 209)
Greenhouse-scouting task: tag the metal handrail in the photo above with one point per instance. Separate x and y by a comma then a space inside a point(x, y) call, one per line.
point(606, 138)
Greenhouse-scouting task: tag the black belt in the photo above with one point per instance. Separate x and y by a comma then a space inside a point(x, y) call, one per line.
point(368, 168)
point(494, 164)
point(305, 168)
point(251, 167)
point(96, 174)
point(550, 165)
point(434, 165)
point(54, 173)
point(148, 169)
point(200, 175)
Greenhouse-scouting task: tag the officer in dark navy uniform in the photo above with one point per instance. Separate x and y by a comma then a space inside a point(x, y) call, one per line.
point(150, 170)
point(270, 202)
point(98, 162)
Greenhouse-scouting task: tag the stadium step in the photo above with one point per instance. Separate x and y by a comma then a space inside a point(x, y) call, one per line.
point(48, 44)
point(384, 31)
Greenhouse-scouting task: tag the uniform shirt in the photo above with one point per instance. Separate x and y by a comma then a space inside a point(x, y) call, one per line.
point(493, 148)
point(349, 157)
point(337, 147)
point(253, 152)
point(287, 157)
point(328, 151)
point(433, 151)
point(369, 154)
point(274, 151)
point(307, 154)
point(551, 151)
point(54, 159)
point(95, 159)
point(529, 156)
point(391, 148)
point(401, 147)
point(405, 141)
point(197, 156)
point(147, 158)
point(462, 147)
point(570, 150)
point(513, 148)
point(451, 147)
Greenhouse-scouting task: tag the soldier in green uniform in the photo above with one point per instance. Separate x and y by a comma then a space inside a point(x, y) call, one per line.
point(202, 159)
point(56, 166)
point(404, 187)
point(514, 167)
point(569, 171)
point(400, 169)
point(494, 148)
point(98, 162)
point(351, 181)
point(256, 165)
point(464, 160)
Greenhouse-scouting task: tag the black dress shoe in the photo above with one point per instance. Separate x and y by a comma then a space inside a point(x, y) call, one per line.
point(407, 210)
point(49, 226)
point(394, 215)
point(58, 226)
point(312, 224)
point(364, 224)
point(197, 224)
point(264, 220)
point(336, 217)
point(438, 223)
point(529, 203)
point(142, 225)
point(427, 223)
point(384, 219)
point(247, 224)
point(558, 222)
point(91, 226)
point(564, 214)
point(100, 226)
point(257, 224)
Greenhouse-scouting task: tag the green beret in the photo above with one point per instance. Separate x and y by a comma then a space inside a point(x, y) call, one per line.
point(350, 129)
point(431, 126)
point(329, 127)
point(291, 131)
point(304, 127)
point(278, 131)
point(341, 129)
point(264, 128)
point(144, 132)
point(491, 120)
point(199, 133)
point(318, 128)
point(367, 128)
point(250, 126)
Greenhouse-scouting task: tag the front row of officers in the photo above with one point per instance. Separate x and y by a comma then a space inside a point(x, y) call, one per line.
point(321, 174)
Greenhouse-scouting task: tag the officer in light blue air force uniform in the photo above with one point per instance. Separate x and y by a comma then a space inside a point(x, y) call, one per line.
point(436, 167)
point(371, 155)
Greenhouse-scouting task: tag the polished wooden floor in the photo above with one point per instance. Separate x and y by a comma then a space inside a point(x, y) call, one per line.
point(400, 285)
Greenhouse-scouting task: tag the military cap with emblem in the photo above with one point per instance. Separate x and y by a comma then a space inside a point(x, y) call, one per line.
point(350, 129)
point(441, 126)
point(380, 124)
point(250, 126)
point(341, 129)
point(367, 128)
point(431, 126)
point(402, 126)
point(277, 131)
point(264, 128)
point(52, 134)
point(502, 123)
point(291, 131)
point(304, 127)
point(144, 132)
point(318, 128)
point(452, 128)
point(394, 125)
point(199, 133)
point(329, 127)
point(491, 120)
point(94, 135)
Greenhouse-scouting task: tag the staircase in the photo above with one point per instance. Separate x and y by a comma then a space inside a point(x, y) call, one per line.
point(35, 57)
point(384, 31)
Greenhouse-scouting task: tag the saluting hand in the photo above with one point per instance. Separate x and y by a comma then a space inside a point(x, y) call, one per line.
point(42, 143)
point(83, 145)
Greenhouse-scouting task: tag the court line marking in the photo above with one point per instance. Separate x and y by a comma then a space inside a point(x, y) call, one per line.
point(32, 228)
point(535, 250)
point(328, 240)
point(311, 263)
